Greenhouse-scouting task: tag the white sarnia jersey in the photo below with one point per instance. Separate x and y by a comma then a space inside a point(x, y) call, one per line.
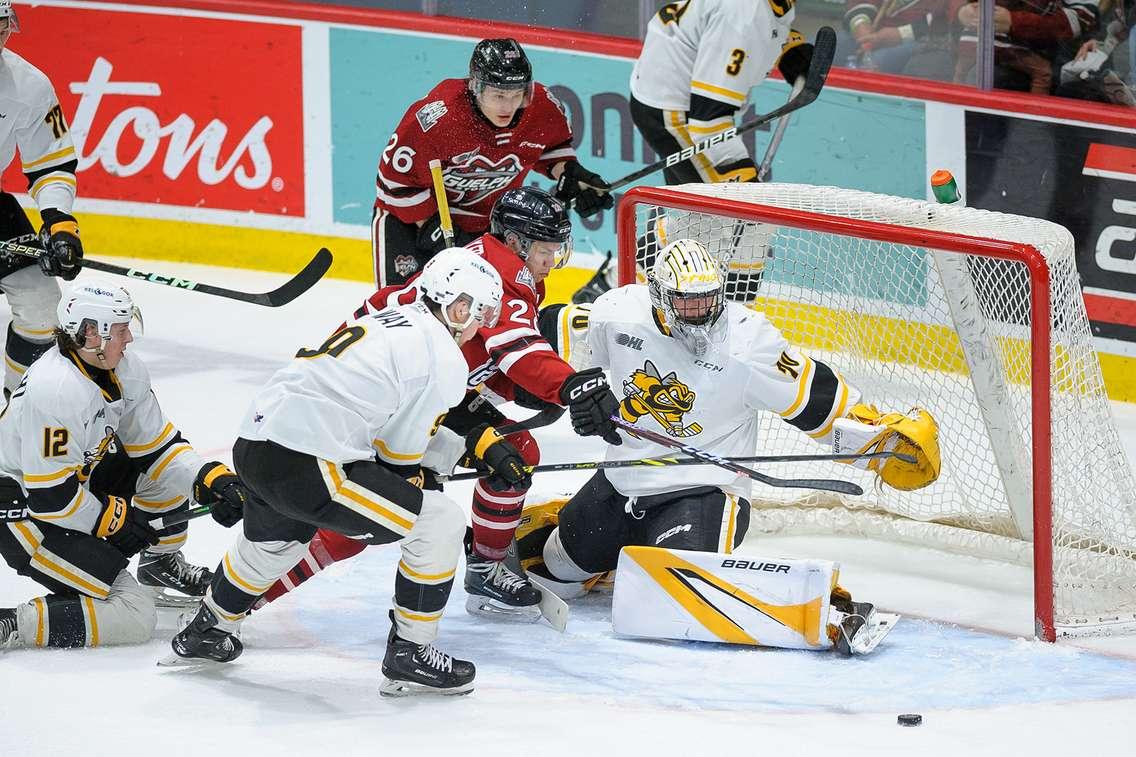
point(711, 402)
point(380, 386)
point(34, 124)
point(701, 58)
point(60, 424)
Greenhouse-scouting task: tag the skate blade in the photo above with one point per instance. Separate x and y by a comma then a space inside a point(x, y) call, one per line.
point(873, 633)
point(552, 607)
point(174, 660)
point(175, 601)
point(397, 689)
point(488, 608)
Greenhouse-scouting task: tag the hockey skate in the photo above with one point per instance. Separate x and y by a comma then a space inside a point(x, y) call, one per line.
point(166, 573)
point(9, 633)
point(855, 628)
point(497, 590)
point(411, 668)
point(203, 643)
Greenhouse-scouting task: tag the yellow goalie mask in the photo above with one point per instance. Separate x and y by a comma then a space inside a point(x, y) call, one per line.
point(865, 429)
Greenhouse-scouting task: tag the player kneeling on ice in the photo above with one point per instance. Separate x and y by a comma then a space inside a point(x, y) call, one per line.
point(307, 453)
point(82, 437)
point(699, 369)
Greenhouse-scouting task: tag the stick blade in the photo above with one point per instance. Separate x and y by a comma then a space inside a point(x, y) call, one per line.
point(300, 283)
point(824, 50)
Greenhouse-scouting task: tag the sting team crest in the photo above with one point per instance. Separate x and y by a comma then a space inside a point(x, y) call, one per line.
point(664, 398)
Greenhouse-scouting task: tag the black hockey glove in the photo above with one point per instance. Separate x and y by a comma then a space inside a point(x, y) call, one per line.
point(795, 59)
point(487, 450)
point(217, 486)
point(588, 189)
point(591, 404)
point(430, 238)
point(127, 528)
point(62, 251)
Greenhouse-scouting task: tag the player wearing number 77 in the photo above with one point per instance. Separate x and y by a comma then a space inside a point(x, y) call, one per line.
point(306, 451)
point(700, 369)
point(699, 61)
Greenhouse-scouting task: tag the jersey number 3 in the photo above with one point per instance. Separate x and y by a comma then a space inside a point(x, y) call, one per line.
point(737, 57)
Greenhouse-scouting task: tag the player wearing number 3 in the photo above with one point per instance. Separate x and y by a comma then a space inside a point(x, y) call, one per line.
point(699, 61)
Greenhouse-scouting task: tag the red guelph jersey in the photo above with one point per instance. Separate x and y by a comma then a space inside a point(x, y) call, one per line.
point(479, 161)
point(511, 353)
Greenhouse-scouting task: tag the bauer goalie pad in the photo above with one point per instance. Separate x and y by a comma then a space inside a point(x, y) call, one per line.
point(706, 596)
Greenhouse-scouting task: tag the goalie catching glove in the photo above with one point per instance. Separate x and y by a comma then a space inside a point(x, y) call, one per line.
point(489, 452)
point(865, 429)
point(219, 487)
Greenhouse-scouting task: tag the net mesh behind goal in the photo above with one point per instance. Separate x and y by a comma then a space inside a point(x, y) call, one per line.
point(947, 330)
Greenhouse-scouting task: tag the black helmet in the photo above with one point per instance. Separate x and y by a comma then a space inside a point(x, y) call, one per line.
point(499, 63)
point(532, 215)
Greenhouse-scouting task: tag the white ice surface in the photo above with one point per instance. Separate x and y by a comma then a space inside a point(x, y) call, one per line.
point(307, 683)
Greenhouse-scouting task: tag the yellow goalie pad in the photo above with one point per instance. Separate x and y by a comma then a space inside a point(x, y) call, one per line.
point(737, 599)
point(866, 429)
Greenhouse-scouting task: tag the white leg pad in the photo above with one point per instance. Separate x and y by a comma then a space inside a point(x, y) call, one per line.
point(126, 616)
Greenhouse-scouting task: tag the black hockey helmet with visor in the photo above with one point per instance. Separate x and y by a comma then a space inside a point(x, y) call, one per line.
point(501, 64)
point(532, 215)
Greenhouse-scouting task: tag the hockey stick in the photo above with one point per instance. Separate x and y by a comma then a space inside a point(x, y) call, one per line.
point(824, 47)
point(778, 134)
point(661, 461)
point(825, 484)
point(293, 288)
point(545, 417)
point(443, 202)
point(182, 517)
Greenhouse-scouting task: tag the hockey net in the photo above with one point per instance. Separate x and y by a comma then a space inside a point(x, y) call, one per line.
point(943, 307)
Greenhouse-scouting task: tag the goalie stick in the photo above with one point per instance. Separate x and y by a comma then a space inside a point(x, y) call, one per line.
point(824, 47)
point(661, 461)
point(282, 295)
point(823, 484)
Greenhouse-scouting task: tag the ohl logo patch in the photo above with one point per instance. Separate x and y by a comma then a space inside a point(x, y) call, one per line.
point(664, 398)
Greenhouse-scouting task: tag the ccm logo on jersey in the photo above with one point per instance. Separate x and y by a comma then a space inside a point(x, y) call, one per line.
point(708, 366)
point(702, 146)
point(768, 567)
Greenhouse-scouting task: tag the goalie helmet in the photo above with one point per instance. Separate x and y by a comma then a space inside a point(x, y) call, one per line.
point(102, 305)
point(532, 215)
point(457, 274)
point(502, 64)
point(689, 286)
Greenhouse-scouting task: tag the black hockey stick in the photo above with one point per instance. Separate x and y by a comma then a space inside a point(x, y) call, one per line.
point(545, 417)
point(293, 288)
point(661, 461)
point(824, 47)
point(825, 484)
point(182, 517)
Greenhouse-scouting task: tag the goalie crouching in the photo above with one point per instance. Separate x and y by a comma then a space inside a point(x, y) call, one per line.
point(700, 368)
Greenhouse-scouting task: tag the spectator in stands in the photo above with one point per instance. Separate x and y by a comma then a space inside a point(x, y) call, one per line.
point(896, 37)
point(1088, 74)
point(1027, 38)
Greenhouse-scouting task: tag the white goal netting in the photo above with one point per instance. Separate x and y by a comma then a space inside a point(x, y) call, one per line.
point(943, 330)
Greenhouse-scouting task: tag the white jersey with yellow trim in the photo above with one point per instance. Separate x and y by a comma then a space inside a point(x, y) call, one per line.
point(711, 402)
point(379, 386)
point(34, 123)
point(60, 423)
point(716, 50)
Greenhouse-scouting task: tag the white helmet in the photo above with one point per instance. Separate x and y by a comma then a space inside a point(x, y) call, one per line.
point(8, 12)
point(100, 304)
point(457, 273)
point(684, 270)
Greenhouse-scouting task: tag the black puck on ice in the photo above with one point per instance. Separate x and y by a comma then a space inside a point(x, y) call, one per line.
point(909, 719)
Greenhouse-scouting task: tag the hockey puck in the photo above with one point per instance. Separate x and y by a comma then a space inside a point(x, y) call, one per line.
point(909, 719)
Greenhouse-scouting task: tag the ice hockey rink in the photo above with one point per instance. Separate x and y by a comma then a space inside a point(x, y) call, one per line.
point(963, 657)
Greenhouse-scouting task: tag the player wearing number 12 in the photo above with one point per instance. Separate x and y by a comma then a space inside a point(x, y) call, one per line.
point(699, 61)
point(488, 130)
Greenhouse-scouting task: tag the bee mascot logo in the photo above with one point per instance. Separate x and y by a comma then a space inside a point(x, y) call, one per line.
point(664, 398)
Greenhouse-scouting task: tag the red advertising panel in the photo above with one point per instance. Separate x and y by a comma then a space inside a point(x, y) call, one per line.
point(174, 110)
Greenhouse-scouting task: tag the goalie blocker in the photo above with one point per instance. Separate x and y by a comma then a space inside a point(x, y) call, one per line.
point(741, 599)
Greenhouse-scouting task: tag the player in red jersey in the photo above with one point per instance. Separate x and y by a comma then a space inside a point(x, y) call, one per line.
point(530, 234)
point(488, 131)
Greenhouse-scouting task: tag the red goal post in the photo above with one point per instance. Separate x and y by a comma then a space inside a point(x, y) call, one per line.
point(756, 217)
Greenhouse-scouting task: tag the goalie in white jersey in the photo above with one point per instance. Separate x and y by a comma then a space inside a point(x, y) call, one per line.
point(337, 440)
point(699, 61)
point(700, 369)
point(87, 458)
point(33, 122)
